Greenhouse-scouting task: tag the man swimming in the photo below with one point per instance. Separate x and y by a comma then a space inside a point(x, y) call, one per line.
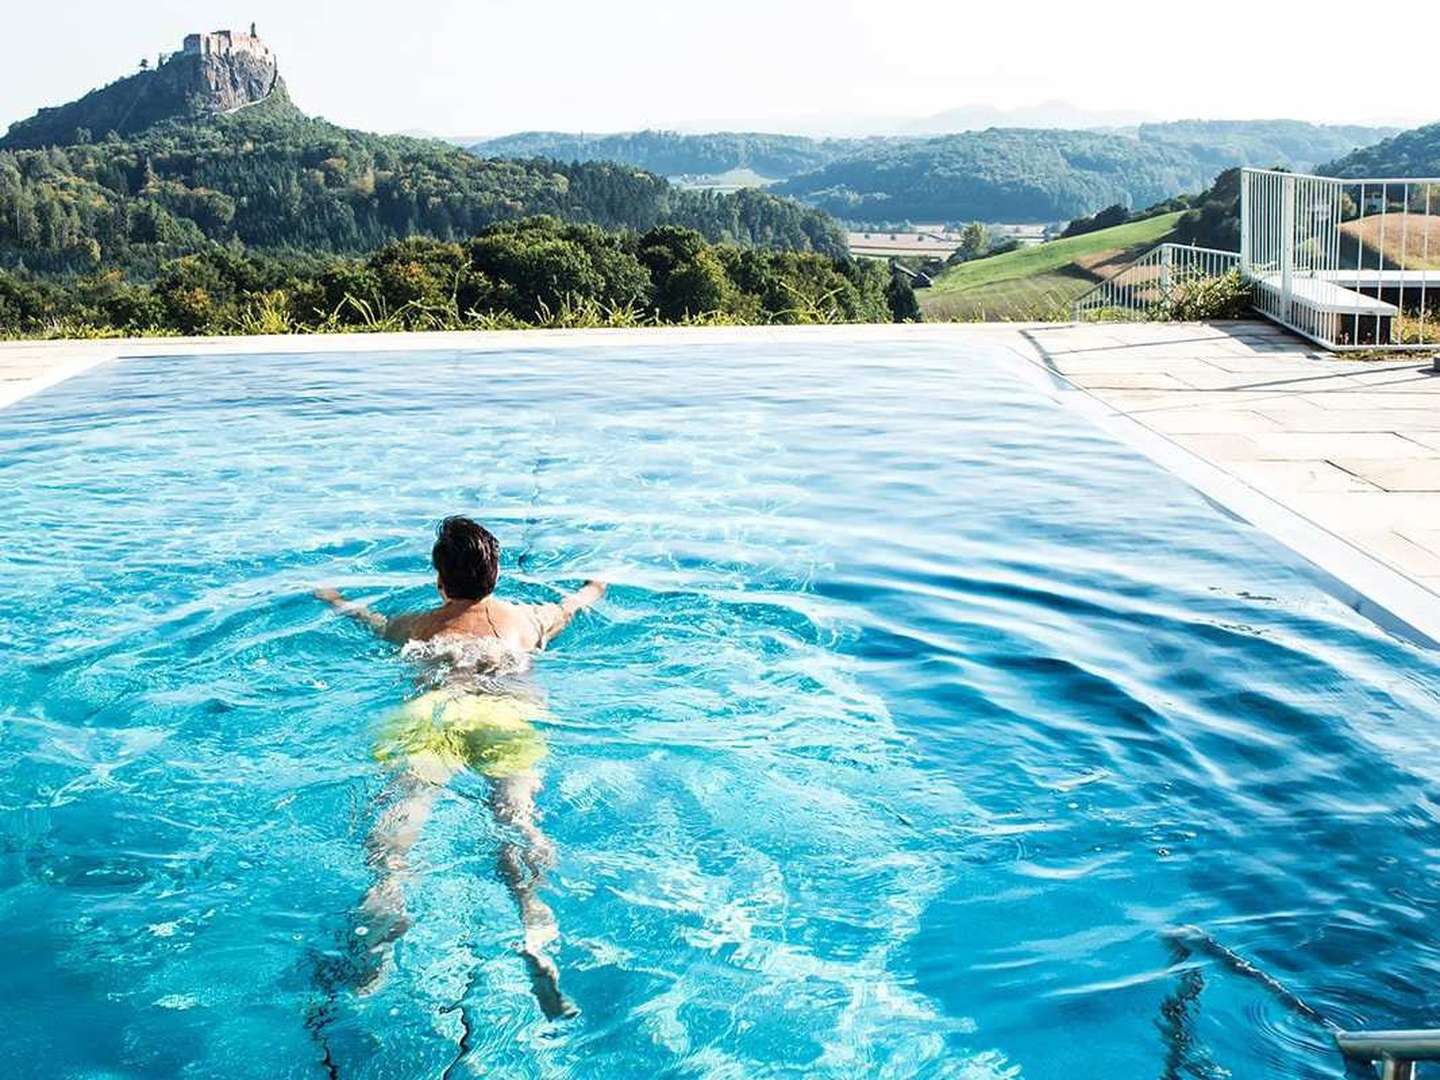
point(479, 714)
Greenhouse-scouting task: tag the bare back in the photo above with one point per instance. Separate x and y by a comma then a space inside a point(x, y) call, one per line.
point(523, 627)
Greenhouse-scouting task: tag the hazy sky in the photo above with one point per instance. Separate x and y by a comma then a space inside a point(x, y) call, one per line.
point(494, 66)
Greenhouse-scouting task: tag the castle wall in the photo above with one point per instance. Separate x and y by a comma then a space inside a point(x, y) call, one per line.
point(227, 43)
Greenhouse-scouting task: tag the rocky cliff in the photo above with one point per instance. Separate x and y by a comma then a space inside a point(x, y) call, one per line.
point(186, 85)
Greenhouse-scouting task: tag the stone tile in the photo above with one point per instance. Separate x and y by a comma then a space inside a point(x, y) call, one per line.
point(1284, 478)
point(1289, 409)
point(1210, 422)
point(1361, 397)
point(1322, 446)
point(1111, 362)
point(1208, 377)
point(1376, 510)
point(1219, 448)
point(1147, 400)
point(1336, 420)
point(1131, 380)
point(1398, 551)
point(1395, 474)
point(1429, 439)
point(1429, 539)
point(1248, 367)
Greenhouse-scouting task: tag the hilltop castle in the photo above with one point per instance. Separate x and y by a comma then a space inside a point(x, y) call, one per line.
point(220, 72)
point(226, 43)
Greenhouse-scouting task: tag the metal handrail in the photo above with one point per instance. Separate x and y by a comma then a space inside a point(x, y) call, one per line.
point(1144, 285)
point(1349, 179)
point(1397, 1052)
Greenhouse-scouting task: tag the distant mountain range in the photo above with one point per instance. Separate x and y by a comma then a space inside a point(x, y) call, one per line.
point(999, 174)
point(972, 117)
point(1049, 114)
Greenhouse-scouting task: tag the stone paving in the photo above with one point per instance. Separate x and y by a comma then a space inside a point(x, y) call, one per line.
point(1351, 446)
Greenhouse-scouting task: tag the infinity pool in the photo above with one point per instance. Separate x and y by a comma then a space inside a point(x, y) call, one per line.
point(926, 730)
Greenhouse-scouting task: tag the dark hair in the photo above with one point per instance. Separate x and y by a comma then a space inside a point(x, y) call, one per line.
point(467, 558)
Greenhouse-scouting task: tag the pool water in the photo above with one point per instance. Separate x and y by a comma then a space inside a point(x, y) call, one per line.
point(926, 730)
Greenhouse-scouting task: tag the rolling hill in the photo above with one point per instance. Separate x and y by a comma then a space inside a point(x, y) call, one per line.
point(1040, 282)
point(1000, 174)
point(1410, 153)
point(772, 157)
point(1033, 176)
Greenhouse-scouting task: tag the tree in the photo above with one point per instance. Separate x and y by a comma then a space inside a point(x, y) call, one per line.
point(900, 296)
point(1116, 214)
point(974, 240)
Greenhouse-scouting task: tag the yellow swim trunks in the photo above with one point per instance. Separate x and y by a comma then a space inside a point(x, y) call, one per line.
point(443, 731)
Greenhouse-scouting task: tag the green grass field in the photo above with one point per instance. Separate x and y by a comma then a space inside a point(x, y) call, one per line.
point(1038, 282)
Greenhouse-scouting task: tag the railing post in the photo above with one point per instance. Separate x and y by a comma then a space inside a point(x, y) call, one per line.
point(1167, 262)
point(1245, 223)
point(1287, 242)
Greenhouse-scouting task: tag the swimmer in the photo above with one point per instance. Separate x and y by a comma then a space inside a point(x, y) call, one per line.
point(481, 717)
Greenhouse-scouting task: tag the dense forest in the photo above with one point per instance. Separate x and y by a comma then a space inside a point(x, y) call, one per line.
point(534, 272)
point(1410, 153)
point(998, 175)
point(775, 157)
point(269, 177)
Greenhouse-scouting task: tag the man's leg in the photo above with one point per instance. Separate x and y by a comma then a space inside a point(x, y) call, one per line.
point(522, 860)
point(408, 801)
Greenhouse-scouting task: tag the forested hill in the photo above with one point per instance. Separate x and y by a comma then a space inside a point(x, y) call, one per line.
point(1411, 153)
point(1028, 175)
point(669, 153)
point(1000, 175)
point(1223, 144)
point(268, 177)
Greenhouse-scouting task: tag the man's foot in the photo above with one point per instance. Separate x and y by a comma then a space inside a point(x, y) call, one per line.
point(373, 942)
point(545, 985)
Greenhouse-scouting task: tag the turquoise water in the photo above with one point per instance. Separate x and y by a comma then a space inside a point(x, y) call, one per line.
point(926, 731)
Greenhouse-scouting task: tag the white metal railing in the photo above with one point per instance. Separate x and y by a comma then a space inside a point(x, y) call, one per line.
point(1348, 263)
point(1156, 284)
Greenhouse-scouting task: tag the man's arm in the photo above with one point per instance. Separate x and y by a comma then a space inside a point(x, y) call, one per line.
point(359, 612)
point(552, 618)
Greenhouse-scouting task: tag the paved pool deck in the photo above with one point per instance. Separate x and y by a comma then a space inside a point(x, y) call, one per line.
point(1339, 458)
point(1351, 445)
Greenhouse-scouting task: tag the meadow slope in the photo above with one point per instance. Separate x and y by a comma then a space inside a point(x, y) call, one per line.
point(1039, 282)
